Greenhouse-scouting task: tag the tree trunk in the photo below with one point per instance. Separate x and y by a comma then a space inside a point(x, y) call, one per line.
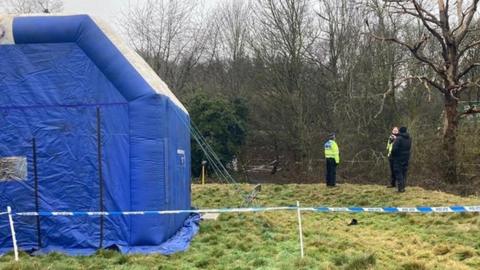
point(449, 140)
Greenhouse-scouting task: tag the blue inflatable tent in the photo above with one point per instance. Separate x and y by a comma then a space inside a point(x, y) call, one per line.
point(86, 125)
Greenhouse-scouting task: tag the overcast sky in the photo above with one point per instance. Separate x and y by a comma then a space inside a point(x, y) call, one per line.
point(106, 9)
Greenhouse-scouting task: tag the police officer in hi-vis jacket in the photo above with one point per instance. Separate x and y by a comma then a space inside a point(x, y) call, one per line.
point(332, 158)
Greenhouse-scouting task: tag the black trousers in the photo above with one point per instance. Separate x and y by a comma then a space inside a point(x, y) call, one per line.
point(400, 167)
point(331, 172)
point(393, 183)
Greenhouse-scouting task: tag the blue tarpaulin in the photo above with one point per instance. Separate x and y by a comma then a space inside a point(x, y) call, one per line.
point(99, 132)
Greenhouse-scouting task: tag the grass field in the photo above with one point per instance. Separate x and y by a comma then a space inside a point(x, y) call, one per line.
point(270, 240)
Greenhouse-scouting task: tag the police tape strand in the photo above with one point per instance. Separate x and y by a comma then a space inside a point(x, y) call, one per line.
point(425, 210)
point(297, 208)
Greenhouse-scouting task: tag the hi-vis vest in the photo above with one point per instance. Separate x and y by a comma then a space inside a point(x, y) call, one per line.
point(331, 150)
point(389, 147)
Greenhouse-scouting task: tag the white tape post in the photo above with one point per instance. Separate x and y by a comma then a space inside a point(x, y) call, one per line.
point(12, 229)
point(300, 231)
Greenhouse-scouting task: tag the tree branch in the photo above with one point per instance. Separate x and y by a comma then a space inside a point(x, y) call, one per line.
point(469, 84)
point(468, 69)
point(420, 10)
point(462, 19)
point(392, 89)
point(468, 47)
point(463, 27)
point(470, 111)
point(415, 51)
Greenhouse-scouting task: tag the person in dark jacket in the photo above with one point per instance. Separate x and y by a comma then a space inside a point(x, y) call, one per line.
point(401, 156)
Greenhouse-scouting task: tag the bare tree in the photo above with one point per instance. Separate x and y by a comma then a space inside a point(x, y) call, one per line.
point(32, 6)
point(171, 35)
point(448, 26)
point(233, 21)
point(339, 22)
point(282, 36)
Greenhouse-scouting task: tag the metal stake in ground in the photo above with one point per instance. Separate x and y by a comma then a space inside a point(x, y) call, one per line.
point(12, 229)
point(300, 229)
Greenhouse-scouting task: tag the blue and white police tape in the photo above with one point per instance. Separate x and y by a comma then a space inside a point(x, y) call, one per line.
point(424, 209)
point(419, 209)
point(162, 212)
